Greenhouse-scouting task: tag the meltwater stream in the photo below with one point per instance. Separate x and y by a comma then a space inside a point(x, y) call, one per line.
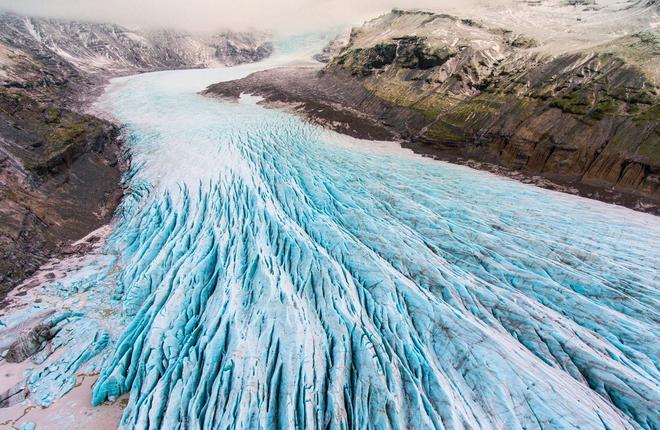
point(266, 273)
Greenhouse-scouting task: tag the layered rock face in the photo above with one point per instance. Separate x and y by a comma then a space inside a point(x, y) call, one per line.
point(59, 168)
point(59, 179)
point(585, 118)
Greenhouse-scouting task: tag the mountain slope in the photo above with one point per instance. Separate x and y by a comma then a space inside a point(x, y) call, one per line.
point(60, 168)
point(585, 118)
point(47, 52)
point(95, 47)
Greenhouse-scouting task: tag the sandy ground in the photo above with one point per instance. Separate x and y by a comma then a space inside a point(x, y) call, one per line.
point(74, 410)
point(58, 416)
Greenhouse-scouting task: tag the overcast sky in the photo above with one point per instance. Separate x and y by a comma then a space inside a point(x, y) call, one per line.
point(205, 15)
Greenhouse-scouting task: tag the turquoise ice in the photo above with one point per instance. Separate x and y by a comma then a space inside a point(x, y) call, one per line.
point(277, 275)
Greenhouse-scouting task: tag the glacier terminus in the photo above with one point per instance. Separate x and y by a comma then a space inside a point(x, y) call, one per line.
point(264, 272)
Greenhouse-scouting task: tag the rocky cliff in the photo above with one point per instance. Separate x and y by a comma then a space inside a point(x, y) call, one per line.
point(59, 179)
point(585, 117)
point(60, 168)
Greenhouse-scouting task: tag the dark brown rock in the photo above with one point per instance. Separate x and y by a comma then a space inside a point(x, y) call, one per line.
point(53, 192)
point(29, 343)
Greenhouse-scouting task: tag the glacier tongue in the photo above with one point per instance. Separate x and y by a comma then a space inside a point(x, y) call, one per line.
point(276, 275)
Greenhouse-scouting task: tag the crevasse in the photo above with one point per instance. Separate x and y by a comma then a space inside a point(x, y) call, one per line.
point(271, 274)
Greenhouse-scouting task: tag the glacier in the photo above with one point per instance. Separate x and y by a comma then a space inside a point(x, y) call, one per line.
point(264, 272)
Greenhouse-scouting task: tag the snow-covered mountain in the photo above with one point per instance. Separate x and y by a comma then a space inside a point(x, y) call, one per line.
point(94, 47)
point(561, 26)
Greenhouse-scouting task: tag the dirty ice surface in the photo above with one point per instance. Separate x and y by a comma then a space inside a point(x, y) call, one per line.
point(266, 273)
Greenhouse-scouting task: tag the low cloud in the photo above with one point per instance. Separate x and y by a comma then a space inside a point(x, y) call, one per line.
point(209, 15)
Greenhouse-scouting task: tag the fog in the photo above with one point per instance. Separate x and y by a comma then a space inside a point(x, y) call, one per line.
point(209, 15)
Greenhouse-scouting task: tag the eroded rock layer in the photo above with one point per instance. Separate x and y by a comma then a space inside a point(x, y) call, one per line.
point(462, 90)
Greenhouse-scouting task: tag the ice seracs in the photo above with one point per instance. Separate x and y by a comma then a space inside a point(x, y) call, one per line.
point(265, 276)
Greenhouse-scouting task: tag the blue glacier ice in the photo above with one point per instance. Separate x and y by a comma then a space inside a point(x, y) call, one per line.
point(266, 273)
